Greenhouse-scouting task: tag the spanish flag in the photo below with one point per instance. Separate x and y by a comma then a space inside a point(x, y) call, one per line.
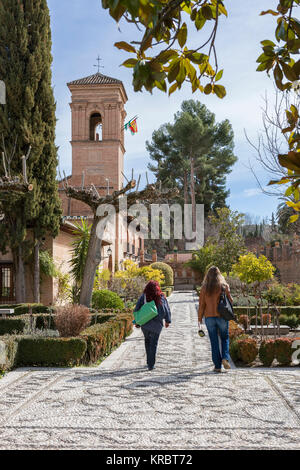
point(132, 126)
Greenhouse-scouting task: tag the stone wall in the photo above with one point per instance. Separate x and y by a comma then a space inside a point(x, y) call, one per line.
point(285, 257)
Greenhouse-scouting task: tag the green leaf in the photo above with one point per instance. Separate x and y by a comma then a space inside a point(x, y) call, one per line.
point(182, 35)
point(288, 72)
point(207, 12)
point(174, 70)
point(161, 85)
point(182, 74)
point(130, 63)
point(165, 56)
point(267, 42)
point(208, 89)
point(219, 75)
point(269, 12)
point(287, 161)
point(125, 46)
point(198, 58)
point(173, 88)
point(220, 91)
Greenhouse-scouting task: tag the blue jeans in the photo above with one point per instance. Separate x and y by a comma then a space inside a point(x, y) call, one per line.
point(151, 340)
point(218, 326)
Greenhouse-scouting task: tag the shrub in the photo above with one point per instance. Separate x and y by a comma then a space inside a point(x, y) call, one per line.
point(267, 352)
point(283, 350)
point(244, 321)
point(234, 330)
point(50, 351)
point(292, 321)
point(167, 272)
point(8, 352)
point(266, 318)
point(70, 320)
point(102, 338)
point(276, 294)
point(233, 350)
point(9, 326)
point(247, 349)
point(251, 268)
point(106, 299)
point(35, 308)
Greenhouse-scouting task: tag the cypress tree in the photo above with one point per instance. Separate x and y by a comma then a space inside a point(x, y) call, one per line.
point(29, 116)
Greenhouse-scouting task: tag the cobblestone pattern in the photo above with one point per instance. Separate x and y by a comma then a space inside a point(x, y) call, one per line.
point(182, 404)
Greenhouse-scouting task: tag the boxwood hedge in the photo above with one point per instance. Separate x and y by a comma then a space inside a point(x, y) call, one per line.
point(41, 351)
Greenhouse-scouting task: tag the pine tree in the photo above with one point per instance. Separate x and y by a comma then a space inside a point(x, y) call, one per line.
point(29, 116)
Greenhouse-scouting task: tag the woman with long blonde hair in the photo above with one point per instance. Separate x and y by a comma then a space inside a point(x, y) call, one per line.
point(212, 287)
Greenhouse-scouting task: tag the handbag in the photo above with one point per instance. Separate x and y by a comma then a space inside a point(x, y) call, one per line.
point(146, 313)
point(225, 308)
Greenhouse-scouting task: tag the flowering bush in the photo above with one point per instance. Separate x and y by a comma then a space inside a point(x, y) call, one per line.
point(133, 271)
point(70, 320)
point(283, 350)
point(251, 269)
point(247, 350)
point(267, 352)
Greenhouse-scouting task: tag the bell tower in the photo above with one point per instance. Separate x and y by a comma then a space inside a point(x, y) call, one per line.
point(98, 114)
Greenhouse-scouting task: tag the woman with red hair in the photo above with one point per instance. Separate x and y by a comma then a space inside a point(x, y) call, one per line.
point(152, 328)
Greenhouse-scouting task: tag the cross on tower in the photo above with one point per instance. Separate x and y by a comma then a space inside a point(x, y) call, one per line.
point(99, 66)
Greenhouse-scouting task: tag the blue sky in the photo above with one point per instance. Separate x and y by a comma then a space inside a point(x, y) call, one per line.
point(81, 30)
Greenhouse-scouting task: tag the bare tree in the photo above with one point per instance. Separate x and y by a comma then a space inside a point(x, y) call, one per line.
point(271, 141)
point(90, 196)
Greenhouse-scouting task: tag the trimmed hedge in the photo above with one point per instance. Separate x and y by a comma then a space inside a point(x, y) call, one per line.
point(94, 343)
point(167, 272)
point(10, 326)
point(36, 308)
point(102, 338)
point(39, 351)
point(267, 352)
point(106, 299)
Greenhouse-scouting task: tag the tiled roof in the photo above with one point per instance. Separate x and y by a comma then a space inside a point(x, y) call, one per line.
point(96, 79)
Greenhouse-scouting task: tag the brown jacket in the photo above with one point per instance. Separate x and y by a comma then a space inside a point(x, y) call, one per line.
point(208, 304)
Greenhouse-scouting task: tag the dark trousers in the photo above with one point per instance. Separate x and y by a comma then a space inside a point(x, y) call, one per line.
point(151, 340)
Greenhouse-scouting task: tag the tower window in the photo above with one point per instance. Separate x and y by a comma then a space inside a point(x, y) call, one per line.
point(96, 127)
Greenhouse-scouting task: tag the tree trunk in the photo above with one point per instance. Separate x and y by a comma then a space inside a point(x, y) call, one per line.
point(36, 275)
point(20, 281)
point(185, 188)
point(93, 259)
point(193, 196)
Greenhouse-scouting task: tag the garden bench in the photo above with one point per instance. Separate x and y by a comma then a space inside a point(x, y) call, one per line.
point(6, 311)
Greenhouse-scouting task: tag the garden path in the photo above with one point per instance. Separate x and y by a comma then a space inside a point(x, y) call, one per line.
point(182, 404)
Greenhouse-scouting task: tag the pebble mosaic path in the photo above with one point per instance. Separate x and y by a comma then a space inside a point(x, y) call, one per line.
point(182, 404)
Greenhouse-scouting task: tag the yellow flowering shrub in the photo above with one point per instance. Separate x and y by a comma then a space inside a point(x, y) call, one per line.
point(251, 268)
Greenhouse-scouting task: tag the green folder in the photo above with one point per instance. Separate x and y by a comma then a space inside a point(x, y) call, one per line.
point(146, 313)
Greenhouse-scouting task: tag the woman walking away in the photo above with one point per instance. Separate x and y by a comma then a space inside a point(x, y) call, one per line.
point(152, 328)
point(209, 298)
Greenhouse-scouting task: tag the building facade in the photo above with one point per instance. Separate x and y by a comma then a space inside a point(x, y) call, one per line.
point(97, 140)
